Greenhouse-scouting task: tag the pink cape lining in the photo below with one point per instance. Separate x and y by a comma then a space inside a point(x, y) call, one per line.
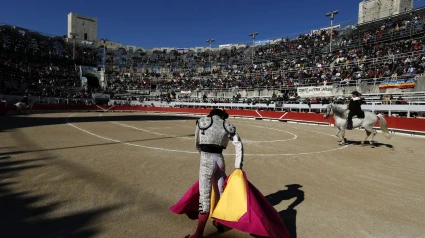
point(261, 218)
point(189, 203)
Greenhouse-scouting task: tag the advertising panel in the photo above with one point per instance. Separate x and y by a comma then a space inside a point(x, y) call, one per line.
point(320, 91)
point(261, 42)
point(226, 45)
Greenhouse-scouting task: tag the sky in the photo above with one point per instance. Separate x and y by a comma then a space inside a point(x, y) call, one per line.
point(185, 23)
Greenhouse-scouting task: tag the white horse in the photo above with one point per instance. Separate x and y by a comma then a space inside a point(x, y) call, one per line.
point(340, 115)
point(20, 106)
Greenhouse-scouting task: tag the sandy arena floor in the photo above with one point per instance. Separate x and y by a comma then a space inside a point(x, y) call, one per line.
point(117, 174)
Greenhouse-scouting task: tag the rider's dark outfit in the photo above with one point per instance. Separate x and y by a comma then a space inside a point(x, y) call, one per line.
point(355, 109)
point(25, 100)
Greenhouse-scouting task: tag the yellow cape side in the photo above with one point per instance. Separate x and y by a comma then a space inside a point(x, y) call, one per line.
point(233, 203)
point(213, 201)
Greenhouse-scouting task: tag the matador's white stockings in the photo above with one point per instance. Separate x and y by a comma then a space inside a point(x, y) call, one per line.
point(212, 176)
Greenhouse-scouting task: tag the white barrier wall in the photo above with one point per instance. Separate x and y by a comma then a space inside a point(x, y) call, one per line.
point(297, 107)
point(12, 99)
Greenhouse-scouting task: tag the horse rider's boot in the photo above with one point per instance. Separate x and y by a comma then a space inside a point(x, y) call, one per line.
point(219, 226)
point(349, 124)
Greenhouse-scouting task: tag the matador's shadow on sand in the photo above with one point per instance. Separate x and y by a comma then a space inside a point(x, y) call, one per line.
point(288, 216)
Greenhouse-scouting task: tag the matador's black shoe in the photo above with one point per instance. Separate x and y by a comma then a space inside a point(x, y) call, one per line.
point(220, 227)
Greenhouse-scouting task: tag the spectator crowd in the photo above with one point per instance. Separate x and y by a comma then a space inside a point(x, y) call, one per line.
point(388, 49)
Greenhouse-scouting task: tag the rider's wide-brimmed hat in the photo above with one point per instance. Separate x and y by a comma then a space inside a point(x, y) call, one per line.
point(355, 93)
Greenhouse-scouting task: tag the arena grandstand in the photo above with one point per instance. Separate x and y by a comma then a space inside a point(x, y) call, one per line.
point(383, 59)
point(101, 139)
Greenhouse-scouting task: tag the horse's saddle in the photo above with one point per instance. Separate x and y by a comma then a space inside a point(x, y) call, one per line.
point(361, 116)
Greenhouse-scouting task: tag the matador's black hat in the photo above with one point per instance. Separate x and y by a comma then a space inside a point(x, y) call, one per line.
point(219, 112)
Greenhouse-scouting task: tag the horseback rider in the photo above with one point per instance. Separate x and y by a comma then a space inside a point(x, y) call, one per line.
point(355, 109)
point(25, 100)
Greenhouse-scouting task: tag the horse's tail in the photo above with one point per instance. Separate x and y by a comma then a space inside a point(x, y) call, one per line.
point(384, 126)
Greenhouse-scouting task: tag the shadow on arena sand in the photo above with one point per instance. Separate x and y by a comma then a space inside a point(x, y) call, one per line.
point(12, 122)
point(375, 144)
point(289, 215)
point(20, 218)
point(92, 145)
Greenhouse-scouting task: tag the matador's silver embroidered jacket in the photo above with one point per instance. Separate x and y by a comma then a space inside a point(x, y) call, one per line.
point(214, 132)
point(218, 132)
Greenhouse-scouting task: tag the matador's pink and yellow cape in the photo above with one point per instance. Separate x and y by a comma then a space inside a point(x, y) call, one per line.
point(241, 207)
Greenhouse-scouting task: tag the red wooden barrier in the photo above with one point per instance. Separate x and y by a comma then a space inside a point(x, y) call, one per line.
point(4, 109)
point(410, 124)
point(58, 107)
point(314, 117)
point(243, 113)
point(273, 115)
point(246, 113)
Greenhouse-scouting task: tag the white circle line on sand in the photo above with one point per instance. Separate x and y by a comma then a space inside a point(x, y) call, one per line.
point(126, 143)
point(192, 152)
point(187, 138)
point(302, 129)
point(152, 132)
